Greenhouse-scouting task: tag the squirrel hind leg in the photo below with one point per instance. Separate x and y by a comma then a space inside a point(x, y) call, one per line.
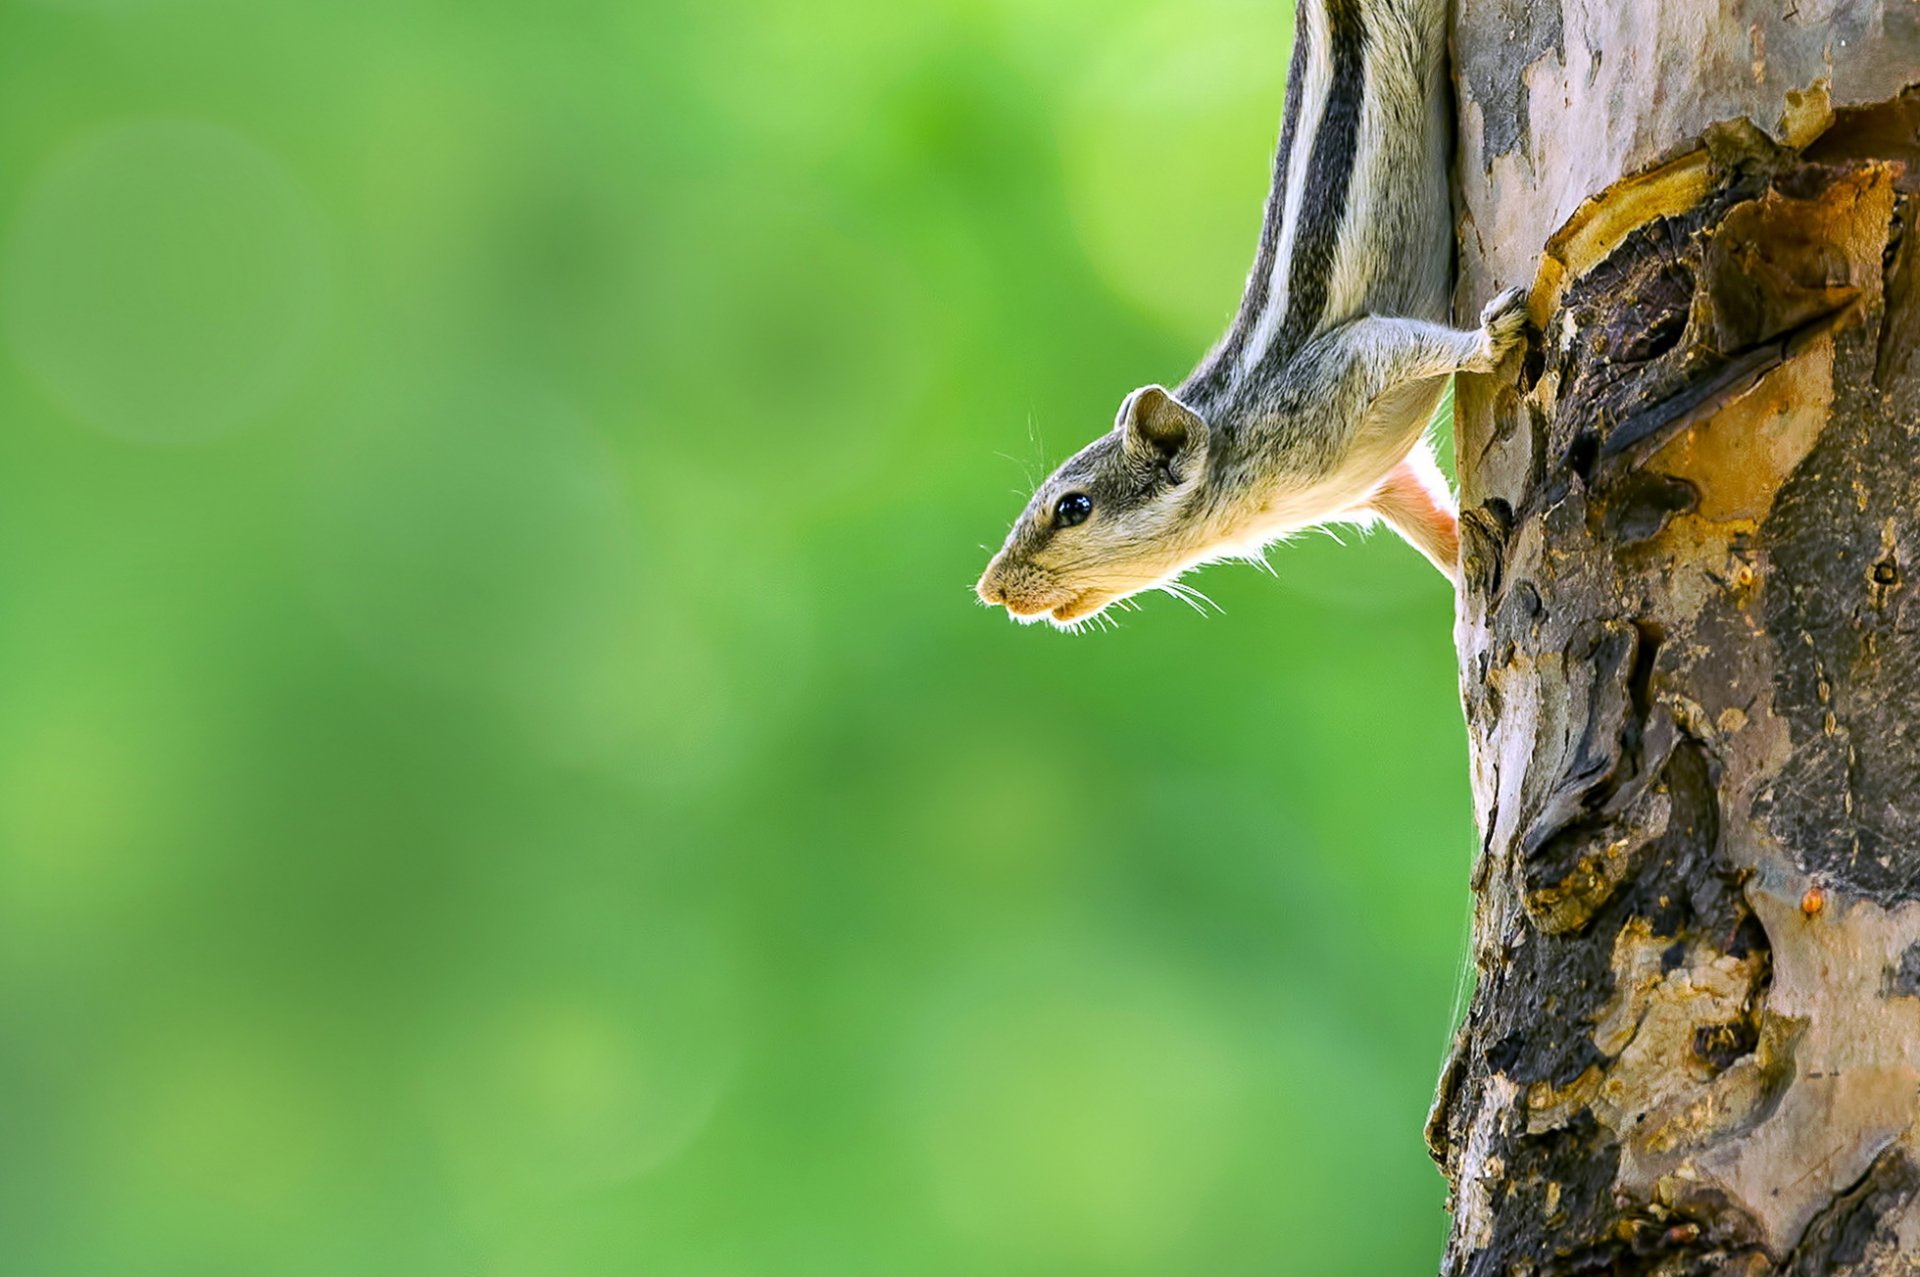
point(1414, 501)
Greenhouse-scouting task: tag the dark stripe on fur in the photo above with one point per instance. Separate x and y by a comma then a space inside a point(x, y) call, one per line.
point(1211, 378)
point(1329, 177)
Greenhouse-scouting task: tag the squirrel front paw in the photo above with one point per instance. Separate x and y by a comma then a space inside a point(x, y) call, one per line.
point(1503, 328)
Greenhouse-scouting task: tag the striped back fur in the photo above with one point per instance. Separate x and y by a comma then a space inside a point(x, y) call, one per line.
point(1358, 220)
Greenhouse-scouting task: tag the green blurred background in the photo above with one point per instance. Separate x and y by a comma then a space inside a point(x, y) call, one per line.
point(499, 770)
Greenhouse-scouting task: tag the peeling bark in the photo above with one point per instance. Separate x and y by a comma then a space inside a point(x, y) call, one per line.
point(1689, 636)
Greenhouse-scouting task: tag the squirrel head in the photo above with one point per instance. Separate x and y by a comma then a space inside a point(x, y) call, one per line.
point(1122, 515)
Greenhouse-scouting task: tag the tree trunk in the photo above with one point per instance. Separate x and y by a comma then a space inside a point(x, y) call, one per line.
point(1689, 638)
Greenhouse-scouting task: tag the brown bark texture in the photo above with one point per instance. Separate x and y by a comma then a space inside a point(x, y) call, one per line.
point(1689, 635)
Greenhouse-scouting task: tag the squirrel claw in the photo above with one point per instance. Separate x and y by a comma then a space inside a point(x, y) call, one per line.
point(1503, 326)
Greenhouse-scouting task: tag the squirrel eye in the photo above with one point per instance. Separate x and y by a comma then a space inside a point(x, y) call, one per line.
point(1072, 510)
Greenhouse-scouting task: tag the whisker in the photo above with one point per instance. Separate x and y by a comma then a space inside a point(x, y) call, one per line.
point(1026, 468)
point(1194, 594)
point(1201, 595)
point(1172, 589)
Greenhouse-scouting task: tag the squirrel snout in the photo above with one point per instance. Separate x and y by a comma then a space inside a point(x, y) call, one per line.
point(1017, 587)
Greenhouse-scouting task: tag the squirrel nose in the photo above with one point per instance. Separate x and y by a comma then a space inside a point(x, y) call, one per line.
point(989, 589)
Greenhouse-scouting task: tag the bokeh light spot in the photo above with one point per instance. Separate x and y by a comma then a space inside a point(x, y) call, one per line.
point(579, 1084)
point(163, 281)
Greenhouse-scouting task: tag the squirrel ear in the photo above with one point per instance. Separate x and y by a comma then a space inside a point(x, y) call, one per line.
point(1152, 420)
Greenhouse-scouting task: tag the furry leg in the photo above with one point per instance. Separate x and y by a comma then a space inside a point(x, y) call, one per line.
point(1414, 501)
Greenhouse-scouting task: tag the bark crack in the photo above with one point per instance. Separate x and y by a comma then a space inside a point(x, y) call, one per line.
point(1690, 654)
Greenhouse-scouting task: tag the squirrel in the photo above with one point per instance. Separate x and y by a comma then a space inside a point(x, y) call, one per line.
point(1313, 407)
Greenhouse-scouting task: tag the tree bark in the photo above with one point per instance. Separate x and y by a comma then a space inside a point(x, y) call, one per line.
point(1689, 635)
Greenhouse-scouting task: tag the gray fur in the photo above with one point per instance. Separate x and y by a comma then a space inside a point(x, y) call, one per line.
point(1313, 403)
